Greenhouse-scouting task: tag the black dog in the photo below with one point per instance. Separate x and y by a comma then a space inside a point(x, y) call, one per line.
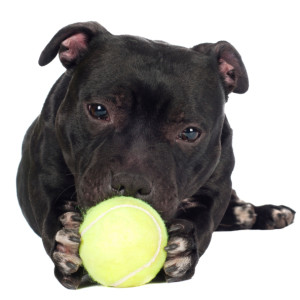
point(132, 116)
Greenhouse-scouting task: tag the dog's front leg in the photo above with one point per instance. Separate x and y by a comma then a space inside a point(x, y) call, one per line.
point(65, 255)
point(68, 264)
point(187, 242)
point(199, 216)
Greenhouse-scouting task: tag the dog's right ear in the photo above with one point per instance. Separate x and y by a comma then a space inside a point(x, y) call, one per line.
point(72, 43)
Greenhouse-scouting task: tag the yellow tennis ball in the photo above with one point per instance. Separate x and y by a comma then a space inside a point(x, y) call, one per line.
point(122, 242)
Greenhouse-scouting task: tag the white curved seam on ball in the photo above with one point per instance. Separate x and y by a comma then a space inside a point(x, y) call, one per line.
point(122, 280)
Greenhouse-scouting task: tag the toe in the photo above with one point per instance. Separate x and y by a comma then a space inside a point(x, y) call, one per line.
point(71, 220)
point(69, 238)
point(67, 263)
point(282, 217)
point(177, 245)
point(178, 266)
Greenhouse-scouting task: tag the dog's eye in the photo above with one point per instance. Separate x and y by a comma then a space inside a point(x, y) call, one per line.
point(190, 134)
point(98, 111)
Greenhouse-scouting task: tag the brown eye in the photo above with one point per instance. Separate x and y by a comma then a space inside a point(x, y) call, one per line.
point(190, 134)
point(98, 111)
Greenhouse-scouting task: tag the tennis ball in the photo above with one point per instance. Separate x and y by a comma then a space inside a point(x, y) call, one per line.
point(122, 242)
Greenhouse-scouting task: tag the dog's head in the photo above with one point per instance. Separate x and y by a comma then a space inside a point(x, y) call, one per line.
point(140, 117)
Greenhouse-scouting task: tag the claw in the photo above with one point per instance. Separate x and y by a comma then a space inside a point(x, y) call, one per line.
point(77, 218)
point(171, 269)
point(72, 267)
point(171, 247)
point(175, 227)
point(70, 220)
point(74, 239)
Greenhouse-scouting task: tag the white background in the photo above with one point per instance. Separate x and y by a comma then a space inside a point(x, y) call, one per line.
point(237, 265)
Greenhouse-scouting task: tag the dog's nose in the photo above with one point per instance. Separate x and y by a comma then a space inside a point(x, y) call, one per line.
point(133, 185)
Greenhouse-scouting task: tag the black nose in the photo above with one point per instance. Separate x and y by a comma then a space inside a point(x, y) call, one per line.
point(133, 185)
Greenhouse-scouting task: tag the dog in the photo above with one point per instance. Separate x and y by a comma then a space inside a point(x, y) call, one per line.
point(141, 118)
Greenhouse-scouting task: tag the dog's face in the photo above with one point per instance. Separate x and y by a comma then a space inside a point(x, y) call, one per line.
point(142, 118)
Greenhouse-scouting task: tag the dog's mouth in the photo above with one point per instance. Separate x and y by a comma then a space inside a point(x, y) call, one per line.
point(166, 205)
point(100, 182)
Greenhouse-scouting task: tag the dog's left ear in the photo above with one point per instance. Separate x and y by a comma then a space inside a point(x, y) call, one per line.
point(231, 66)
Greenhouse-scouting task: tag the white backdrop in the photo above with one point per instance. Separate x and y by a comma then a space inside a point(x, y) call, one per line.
point(237, 265)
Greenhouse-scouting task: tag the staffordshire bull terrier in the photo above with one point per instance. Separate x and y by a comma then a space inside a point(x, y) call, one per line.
point(132, 116)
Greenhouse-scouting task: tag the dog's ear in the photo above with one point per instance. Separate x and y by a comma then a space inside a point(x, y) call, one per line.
point(231, 66)
point(72, 43)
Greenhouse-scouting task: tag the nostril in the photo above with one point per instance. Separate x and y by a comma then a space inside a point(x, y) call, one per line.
point(144, 191)
point(140, 192)
point(130, 185)
point(119, 189)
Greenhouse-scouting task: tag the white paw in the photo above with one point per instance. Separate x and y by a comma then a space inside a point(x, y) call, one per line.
point(282, 217)
point(66, 256)
point(245, 215)
point(181, 252)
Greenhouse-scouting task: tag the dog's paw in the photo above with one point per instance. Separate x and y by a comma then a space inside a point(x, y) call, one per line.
point(281, 216)
point(65, 256)
point(181, 251)
point(245, 216)
point(274, 217)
